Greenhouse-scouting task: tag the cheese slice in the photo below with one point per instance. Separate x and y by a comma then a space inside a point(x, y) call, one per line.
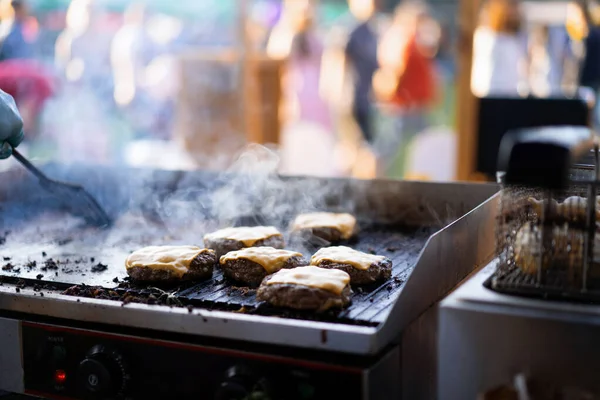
point(345, 255)
point(271, 259)
point(343, 222)
point(332, 280)
point(176, 259)
point(248, 235)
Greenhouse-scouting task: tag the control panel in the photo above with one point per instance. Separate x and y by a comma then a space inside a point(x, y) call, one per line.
point(65, 363)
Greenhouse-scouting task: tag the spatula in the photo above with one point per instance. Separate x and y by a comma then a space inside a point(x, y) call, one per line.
point(75, 197)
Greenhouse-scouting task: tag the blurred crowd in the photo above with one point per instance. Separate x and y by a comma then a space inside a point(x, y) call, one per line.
point(516, 53)
point(359, 92)
point(368, 93)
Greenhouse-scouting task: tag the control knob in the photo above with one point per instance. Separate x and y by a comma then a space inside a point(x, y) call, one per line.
point(240, 383)
point(102, 374)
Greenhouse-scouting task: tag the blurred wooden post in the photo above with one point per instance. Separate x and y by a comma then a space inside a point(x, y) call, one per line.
point(467, 103)
point(227, 98)
point(262, 88)
point(245, 50)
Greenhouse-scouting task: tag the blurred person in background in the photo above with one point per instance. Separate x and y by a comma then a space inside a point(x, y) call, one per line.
point(19, 32)
point(308, 137)
point(585, 36)
point(499, 51)
point(80, 120)
point(406, 83)
point(135, 69)
point(361, 58)
point(21, 75)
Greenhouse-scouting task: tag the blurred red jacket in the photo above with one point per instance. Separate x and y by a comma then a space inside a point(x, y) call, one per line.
point(27, 81)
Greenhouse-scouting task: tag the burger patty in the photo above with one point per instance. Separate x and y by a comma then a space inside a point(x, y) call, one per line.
point(200, 268)
point(252, 273)
point(377, 271)
point(301, 297)
point(224, 246)
point(331, 235)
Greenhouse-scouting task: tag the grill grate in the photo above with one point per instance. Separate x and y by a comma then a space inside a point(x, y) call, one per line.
point(368, 303)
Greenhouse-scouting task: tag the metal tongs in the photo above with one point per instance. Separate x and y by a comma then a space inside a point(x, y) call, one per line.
point(79, 201)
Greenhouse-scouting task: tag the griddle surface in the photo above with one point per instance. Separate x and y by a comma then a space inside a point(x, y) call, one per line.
point(92, 257)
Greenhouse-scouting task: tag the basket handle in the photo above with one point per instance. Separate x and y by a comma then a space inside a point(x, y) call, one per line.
point(543, 157)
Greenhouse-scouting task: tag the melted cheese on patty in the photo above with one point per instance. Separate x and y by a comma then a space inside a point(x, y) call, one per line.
point(176, 259)
point(331, 280)
point(248, 235)
point(345, 255)
point(343, 222)
point(271, 259)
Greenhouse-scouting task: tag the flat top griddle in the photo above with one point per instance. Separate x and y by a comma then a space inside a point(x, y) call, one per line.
point(56, 250)
point(428, 229)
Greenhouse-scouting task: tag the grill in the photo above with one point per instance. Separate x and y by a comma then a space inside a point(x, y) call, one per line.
point(546, 227)
point(64, 288)
point(45, 251)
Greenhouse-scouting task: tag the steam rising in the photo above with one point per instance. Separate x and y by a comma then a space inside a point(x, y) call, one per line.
point(182, 210)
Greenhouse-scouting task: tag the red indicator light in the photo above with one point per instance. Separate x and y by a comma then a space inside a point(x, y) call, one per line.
point(60, 376)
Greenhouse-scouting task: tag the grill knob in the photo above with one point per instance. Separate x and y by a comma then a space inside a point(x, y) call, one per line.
point(240, 383)
point(102, 373)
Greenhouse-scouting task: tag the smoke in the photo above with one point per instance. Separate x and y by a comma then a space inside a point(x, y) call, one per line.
point(249, 193)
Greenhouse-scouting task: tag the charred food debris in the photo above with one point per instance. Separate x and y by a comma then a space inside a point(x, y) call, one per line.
point(152, 296)
point(99, 267)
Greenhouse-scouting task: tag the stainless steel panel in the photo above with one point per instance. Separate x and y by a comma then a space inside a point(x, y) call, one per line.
point(448, 258)
point(486, 339)
point(382, 382)
point(11, 362)
point(226, 325)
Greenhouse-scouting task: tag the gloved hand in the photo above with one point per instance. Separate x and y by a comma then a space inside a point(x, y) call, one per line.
point(11, 125)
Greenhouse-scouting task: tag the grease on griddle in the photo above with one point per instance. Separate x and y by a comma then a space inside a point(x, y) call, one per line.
point(3, 237)
point(64, 241)
point(99, 267)
point(242, 290)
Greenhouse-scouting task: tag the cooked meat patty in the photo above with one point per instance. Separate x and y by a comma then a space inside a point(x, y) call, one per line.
point(363, 268)
point(171, 263)
point(252, 264)
point(306, 288)
point(331, 227)
point(230, 239)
